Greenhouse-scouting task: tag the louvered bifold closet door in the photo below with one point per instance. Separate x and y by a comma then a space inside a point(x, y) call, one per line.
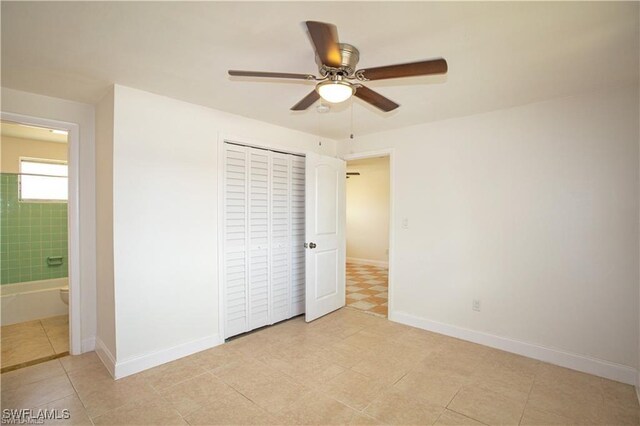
point(264, 258)
point(235, 239)
point(280, 236)
point(259, 262)
point(297, 236)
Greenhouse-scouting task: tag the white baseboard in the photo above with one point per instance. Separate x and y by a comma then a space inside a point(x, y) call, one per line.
point(88, 345)
point(597, 367)
point(378, 263)
point(106, 356)
point(140, 363)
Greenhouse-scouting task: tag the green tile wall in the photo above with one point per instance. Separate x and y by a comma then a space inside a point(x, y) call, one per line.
point(29, 233)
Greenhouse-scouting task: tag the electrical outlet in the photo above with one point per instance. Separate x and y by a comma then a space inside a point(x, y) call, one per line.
point(476, 305)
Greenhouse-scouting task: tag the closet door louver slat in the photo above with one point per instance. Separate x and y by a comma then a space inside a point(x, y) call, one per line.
point(280, 236)
point(235, 239)
point(259, 264)
point(297, 236)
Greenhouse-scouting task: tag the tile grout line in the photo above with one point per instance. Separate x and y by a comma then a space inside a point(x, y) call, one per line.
point(452, 398)
point(464, 415)
point(533, 382)
point(75, 390)
point(165, 401)
point(44, 330)
point(206, 372)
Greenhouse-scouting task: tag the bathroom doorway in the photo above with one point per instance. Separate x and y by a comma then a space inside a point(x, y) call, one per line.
point(367, 228)
point(34, 244)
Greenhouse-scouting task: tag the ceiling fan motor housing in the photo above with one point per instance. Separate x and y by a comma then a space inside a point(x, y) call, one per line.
point(350, 58)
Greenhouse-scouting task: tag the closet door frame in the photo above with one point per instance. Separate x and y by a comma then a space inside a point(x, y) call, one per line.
point(249, 143)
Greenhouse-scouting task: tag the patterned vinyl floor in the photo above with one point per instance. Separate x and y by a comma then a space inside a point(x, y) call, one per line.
point(367, 288)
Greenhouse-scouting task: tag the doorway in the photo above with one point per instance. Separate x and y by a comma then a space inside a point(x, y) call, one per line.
point(367, 231)
point(35, 244)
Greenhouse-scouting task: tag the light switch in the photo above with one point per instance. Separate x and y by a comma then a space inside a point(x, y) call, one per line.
point(405, 223)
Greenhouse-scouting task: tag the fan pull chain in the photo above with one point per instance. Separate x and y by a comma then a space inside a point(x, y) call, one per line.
point(319, 137)
point(351, 136)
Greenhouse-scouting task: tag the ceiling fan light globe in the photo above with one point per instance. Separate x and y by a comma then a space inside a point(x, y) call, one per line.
point(335, 91)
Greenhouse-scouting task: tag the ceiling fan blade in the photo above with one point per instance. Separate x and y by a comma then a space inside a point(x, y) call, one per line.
point(306, 102)
point(238, 73)
point(434, 66)
point(325, 40)
point(375, 99)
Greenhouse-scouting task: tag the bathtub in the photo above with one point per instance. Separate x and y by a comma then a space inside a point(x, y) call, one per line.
point(32, 300)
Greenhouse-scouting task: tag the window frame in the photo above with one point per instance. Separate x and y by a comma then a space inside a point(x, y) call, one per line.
point(43, 161)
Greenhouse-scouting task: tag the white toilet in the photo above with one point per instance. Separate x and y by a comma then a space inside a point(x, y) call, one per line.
point(64, 294)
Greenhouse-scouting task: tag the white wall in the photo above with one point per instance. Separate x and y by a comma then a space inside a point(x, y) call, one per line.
point(532, 210)
point(11, 149)
point(368, 211)
point(106, 330)
point(33, 105)
point(165, 221)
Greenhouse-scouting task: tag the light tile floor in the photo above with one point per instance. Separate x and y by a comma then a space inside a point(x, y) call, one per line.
point(29, 341)
point(367, 288)
point(345, 368)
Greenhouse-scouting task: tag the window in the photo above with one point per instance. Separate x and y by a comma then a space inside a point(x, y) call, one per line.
point(43, 180)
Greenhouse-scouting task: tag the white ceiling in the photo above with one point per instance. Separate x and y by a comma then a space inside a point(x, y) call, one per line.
point(500, 54)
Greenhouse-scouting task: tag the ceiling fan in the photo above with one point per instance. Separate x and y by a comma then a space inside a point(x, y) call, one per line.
point(339, 79)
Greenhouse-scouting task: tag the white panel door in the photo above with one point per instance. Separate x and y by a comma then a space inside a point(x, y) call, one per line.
point(325, 235)
point(235, 239)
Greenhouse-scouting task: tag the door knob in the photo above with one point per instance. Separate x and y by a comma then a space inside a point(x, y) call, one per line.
point(312, 245)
